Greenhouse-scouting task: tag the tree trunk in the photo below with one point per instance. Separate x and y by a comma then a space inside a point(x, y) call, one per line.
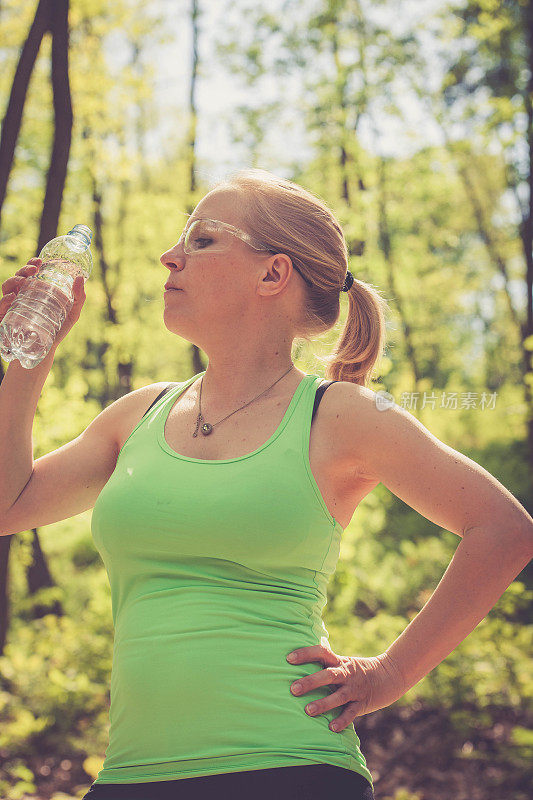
point(192, 98)
point(5, 545)
point(385, 246)
point(196, 358)
point(57, 173)
point(39, 574)
point(53, 17)
point(485, 234)
point(527, 242)
point(39, 577)
point(15, 107)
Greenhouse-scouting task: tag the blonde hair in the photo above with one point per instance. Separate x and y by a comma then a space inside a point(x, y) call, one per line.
point(289, 219)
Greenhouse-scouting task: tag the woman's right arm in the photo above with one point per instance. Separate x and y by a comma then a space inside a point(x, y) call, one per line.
point(67, 481)
point(62, 483)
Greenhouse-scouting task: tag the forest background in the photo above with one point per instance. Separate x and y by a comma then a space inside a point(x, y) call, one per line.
point(414, 122)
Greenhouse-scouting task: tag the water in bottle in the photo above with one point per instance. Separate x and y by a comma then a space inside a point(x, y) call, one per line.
point(29, 328)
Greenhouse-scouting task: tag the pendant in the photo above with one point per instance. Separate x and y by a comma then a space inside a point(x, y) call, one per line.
point(198, 419)
point(206, 428)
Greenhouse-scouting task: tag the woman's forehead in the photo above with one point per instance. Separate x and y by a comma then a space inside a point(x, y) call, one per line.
point(222, 205)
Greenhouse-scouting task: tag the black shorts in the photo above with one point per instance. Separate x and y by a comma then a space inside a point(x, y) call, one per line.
point(306, 782)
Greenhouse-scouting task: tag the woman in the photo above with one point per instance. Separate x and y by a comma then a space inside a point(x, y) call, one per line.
point(219, 511)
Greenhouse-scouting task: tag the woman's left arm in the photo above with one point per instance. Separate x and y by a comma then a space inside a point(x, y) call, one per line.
point(456, 493)
point(485, 562)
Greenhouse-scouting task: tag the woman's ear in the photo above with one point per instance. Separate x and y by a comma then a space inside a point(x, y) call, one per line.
point(278, 270)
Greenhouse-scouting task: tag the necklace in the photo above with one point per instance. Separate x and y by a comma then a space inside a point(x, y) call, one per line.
point(207, 427)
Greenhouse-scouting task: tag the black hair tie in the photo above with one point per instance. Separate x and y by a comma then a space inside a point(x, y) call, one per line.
point(348, 281)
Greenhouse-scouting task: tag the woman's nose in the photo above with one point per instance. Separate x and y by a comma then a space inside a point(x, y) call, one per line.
point(171, 259)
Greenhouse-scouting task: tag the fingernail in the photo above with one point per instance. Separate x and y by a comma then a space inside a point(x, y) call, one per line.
point(291, 657)
point(297, 688)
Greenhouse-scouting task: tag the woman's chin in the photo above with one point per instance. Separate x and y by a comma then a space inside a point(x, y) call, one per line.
point(173, 326)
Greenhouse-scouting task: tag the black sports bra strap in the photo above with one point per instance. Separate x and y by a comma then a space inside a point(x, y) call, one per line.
point(159, 396)
point(319, 394)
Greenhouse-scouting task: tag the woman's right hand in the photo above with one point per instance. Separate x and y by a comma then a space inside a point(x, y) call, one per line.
point(12, 286)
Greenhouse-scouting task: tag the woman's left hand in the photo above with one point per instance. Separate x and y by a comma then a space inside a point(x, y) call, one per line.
point(365, 684)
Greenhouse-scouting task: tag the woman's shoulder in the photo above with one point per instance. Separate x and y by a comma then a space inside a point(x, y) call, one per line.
point(132, 406)
point(349, 413)
point(346, 398)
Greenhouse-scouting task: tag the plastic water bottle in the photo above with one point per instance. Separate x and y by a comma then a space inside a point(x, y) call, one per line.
point(29, 328)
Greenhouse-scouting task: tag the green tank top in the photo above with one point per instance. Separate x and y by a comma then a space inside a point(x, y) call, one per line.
point(218, 569)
